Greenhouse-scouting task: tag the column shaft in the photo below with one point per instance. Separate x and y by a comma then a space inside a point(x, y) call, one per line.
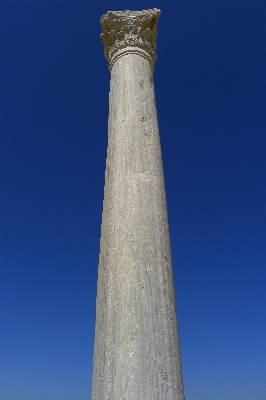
point(137, 352)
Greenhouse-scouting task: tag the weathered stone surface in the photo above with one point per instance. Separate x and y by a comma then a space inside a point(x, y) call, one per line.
point(136, 354)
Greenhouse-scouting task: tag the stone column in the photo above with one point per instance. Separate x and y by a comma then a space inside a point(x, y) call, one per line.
point(136, 354)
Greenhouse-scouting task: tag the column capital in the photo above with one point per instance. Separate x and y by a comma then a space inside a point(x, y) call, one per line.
point(127, 32)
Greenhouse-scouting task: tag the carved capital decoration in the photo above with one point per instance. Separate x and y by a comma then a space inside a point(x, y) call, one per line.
point(127, 32)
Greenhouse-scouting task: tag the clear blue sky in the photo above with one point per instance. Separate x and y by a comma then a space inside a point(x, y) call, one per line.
point(210, 86)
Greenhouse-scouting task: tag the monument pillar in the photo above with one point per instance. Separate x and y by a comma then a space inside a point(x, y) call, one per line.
point(136, 353)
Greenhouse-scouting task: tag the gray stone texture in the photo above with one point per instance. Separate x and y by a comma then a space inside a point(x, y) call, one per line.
point(136, 354)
